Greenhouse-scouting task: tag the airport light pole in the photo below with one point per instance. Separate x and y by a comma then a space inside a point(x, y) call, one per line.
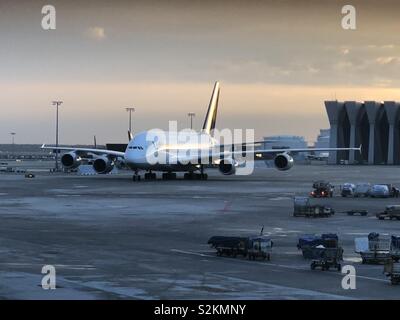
point(130, 109)
point(57, 103)
point(191, 115)
point(12, 137)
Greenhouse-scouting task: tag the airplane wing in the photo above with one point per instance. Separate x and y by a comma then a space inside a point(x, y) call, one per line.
point(259, 154)
point(87, 150)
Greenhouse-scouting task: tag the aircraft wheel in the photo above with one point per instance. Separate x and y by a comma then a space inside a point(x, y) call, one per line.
point(188, 176)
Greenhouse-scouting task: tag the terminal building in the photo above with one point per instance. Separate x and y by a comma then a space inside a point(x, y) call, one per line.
point(373, 125)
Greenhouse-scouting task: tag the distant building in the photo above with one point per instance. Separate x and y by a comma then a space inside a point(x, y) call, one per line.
point(322, 141)
point(373, 125)
point(286, 142)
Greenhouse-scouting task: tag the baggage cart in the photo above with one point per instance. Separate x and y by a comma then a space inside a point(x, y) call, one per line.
point(361, 212)
point(392, 270)
point(395, 248)
point(373, 250)
point(328, 258)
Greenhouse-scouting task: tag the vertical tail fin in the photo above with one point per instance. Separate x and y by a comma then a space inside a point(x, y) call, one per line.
point(211, 117)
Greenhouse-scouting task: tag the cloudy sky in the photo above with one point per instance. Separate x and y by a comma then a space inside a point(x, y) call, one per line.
point(277, 62)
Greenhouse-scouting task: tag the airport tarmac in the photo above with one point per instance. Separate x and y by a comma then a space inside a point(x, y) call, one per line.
point(111, 238)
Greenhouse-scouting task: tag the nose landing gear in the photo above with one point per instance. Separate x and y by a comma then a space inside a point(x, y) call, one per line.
point(150, 176)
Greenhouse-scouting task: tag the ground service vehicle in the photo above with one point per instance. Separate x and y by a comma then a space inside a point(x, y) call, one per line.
point(393, 191)
point(253, 246)
point(303, 208)
point(348, 190)
point(259, 247)
point(391, 212)
point(322, 189)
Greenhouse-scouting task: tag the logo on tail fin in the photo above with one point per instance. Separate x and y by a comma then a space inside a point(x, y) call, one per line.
point(211, 117)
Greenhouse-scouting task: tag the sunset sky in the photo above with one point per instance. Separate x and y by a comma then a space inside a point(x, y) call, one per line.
point(277, 62)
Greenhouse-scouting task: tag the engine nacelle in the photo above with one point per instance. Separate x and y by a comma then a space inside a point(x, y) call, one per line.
point(283, 162)
point(103, 165)
point(227, 166)
point(71, 160)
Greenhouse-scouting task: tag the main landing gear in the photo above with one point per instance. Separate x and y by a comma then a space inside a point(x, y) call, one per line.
point(169, 176)
point(147, 176)
point(150, 176)
point(195, 176)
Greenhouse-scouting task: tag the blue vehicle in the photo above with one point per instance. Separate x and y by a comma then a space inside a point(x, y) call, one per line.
point(380, 191)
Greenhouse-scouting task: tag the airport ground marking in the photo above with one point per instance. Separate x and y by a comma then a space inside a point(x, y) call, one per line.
point(271, 264)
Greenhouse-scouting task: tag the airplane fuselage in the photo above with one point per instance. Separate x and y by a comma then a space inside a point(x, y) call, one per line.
point(166, 146)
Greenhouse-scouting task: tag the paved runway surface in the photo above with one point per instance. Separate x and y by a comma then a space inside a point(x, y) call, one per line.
point(111, 238)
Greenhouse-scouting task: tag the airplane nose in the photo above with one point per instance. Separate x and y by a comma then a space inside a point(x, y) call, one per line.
point(134, 156)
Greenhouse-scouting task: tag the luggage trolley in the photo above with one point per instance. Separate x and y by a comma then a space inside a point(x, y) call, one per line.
point(329, 258)
point(392, 270)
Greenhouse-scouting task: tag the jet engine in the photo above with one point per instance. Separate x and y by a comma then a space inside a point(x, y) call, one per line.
point(71, 160)
point(227, 166)
point(103, 165)
point(283, 161)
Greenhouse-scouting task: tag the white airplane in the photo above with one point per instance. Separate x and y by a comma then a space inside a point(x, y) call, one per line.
point(190, 158)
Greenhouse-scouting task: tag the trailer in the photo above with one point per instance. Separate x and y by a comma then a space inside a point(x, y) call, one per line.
point(395, 248)
point(392, 270)
point(312, 245)
point(252, 247)
point(229, 246)
point(328, 258)
point(391, 212)
point(361, 212)
point(303, 208)
point(372, 249)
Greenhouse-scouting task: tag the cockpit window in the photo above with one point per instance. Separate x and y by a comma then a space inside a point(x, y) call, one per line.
point(136, 147)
